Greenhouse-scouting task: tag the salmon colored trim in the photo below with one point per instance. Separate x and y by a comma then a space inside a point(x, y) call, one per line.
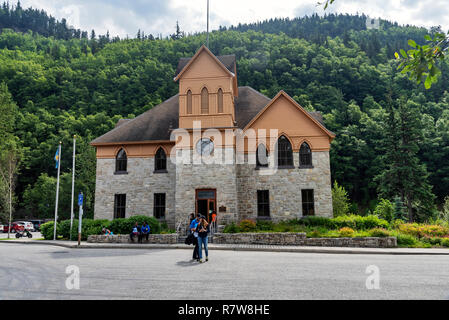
point(117, 150)
point(203, 48)
point(160, 147)
point(284, 94)
point(306, 141)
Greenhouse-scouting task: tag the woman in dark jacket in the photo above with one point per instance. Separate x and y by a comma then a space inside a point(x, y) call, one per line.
point(203, 231)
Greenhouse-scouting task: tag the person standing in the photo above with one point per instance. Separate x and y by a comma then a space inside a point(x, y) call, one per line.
point(203, 232)
point(193, 226)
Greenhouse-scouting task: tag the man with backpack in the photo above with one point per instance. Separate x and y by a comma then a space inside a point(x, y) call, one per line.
point(193, 226)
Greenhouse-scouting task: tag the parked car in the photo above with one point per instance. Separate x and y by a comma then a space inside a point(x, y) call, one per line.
point(37, 224)
point(28, 225)
point(15, 226)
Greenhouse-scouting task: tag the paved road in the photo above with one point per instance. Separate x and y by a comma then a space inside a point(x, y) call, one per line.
point(39, 272)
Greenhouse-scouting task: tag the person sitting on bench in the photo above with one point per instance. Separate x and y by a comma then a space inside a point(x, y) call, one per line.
point(144, 231)
point(135, 232)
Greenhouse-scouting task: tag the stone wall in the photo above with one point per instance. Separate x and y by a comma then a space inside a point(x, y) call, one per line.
point(124, 238)
point(275, 238)
point(284, 187)
point(299, 239)
point(191, 175)
point(139, 185)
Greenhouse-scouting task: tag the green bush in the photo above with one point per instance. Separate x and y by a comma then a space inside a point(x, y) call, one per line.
point(379, 232)
point(231, 228)
point(263, 225)
point(406, 240)
point(385, 210)
point(340, 200)
point(47, 230)
point(316, 222)
point(358, 222)
point(445, 242)
point(125, 225)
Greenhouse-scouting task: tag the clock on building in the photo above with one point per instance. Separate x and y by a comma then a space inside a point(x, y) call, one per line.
point(205, 147)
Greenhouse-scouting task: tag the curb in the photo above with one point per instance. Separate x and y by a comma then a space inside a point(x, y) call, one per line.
point(249, 247)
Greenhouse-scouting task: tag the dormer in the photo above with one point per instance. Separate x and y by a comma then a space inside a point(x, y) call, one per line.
point(207, 88)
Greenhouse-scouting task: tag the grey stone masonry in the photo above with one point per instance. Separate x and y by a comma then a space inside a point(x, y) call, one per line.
point(139, 184)
point(284, 186)
point(197, 175)
point(171, 238)
point(299, 239)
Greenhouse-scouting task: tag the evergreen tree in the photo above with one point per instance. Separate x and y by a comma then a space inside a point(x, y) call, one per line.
point(405, 174)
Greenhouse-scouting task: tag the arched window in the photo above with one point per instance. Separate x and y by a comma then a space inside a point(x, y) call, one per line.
point(220, 100)
point(160, 160)
point(305, 155)
point(285, 153)
point(121, 161)
point(262, 156)
point(189, 102)
point(204, 101)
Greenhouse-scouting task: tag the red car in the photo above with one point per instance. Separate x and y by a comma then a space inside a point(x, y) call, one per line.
point(15, 226)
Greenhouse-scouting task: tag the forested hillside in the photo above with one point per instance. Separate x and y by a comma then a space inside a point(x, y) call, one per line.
point(392, 135)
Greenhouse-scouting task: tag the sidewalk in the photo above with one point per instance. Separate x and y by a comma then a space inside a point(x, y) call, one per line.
point(238, 247)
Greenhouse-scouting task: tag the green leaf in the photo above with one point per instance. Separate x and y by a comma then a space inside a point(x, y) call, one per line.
point(412, 43)
point(427, 37)
point(402, 51)
point(428, 82)
point(396, 55)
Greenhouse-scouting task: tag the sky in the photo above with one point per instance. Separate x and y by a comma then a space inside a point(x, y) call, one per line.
point(123, 18)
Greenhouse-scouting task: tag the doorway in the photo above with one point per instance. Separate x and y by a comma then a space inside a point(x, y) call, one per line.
point(206, 202)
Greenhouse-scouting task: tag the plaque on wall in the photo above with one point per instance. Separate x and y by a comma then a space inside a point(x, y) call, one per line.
point(222, 209)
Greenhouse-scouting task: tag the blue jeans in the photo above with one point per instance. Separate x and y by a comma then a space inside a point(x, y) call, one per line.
point(202, 241)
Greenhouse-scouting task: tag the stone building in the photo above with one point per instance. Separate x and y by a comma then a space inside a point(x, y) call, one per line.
point(215, 147)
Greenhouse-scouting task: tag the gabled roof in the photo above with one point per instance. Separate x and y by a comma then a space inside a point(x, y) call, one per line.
point(227, 63)
point(311, 115)
point(157, 123)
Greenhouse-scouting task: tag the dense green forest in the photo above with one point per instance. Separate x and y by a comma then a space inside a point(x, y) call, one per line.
point(392, 134)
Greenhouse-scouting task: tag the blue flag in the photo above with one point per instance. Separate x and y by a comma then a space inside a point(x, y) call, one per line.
point(57, 158)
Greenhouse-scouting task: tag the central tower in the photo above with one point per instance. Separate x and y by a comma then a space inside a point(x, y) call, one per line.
point(207, 89)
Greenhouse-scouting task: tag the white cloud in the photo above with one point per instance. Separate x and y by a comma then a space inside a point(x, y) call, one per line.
point(159, 16)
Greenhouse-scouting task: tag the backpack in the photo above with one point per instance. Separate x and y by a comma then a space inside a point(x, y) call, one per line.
point(190, 239)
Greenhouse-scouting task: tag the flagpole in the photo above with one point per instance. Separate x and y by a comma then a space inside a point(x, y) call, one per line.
point(57, 191)
point(73, 186)
point(207, 40)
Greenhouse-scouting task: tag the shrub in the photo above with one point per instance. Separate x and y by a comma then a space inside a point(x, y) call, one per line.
point(231, 228)
point(346, 232)
point(399, 209)
point(421, 230)
point(340, 200)
point(247, 225)
point(358, 222)
point(379, 232)
point(47, 230)
point(445, 242)
point(406, 240)
point(316, 222)
point(263, 225)
point(385, 210)
point(125, 225)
